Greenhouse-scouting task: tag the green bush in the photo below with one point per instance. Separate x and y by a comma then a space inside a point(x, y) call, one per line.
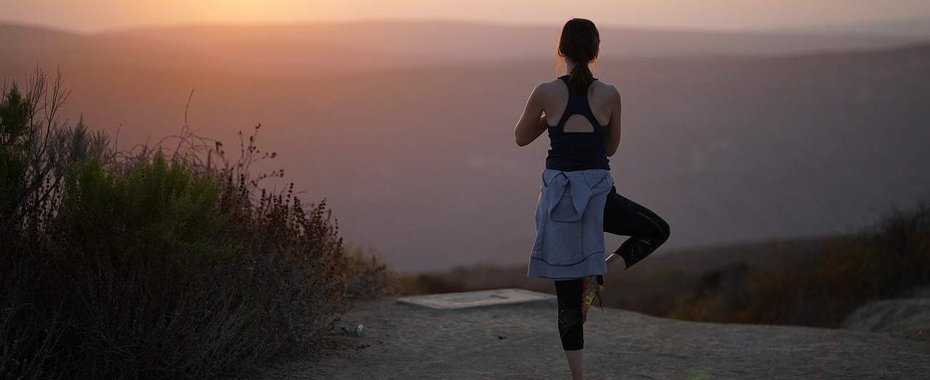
point(155, 264)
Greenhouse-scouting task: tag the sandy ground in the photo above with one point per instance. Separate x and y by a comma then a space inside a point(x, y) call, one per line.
point(403, 341)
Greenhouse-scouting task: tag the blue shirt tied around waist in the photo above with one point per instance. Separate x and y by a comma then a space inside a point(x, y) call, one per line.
point(569, 224)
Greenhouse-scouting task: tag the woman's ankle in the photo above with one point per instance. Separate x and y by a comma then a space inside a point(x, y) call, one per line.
point(576, 363)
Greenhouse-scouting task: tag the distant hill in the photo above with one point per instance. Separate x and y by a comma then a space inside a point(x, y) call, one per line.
point(417, 158)
point(906, 28)
point(31, 38)
point(374, 45)
point(454, 41)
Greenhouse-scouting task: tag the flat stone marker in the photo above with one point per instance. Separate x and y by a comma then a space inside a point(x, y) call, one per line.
point(463, 300)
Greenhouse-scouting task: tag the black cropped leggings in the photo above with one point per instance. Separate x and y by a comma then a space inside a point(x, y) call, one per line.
point(646, 231)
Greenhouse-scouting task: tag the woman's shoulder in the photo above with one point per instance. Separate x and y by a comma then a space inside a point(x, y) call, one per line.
point(546, 92)
point(608, 89)
point(550, 87)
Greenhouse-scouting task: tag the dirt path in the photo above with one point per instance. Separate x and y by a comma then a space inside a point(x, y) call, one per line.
point(520, 342)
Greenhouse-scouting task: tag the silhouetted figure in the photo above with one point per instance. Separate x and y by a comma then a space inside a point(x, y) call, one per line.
point(577, 186)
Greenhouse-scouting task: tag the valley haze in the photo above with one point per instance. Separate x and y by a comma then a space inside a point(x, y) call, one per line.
point(406, 128)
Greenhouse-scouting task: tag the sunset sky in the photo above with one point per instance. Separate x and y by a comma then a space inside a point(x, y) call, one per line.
point(95, 15)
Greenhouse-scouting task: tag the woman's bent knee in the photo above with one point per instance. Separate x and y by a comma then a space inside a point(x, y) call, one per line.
point(665, 232)
point(660, 231)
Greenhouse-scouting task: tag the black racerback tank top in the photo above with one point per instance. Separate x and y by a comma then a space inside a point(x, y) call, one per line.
point(573, 151)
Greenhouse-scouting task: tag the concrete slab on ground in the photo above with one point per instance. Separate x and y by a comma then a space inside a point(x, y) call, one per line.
point(464, 300)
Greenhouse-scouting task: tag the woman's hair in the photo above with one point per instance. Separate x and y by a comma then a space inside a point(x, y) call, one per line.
point(580, 43)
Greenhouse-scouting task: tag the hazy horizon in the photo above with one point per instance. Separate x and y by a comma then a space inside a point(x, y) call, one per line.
point(712, 15)
point(702, 144)
point(732, 137)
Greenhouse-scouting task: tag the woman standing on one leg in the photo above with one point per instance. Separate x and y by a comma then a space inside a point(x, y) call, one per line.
point(577, 199)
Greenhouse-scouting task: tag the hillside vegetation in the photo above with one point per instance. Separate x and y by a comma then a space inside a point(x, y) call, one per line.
point(810, 282)
point(167, 261)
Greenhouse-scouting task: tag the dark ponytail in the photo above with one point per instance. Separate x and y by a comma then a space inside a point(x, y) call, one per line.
point(581, 77)
point(580, 42)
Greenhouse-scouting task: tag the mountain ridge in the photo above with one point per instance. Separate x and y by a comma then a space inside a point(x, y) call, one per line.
point(468, 40)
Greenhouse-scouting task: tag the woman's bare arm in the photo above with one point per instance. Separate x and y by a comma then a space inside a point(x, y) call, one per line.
point(612, 140)
point(532, 123)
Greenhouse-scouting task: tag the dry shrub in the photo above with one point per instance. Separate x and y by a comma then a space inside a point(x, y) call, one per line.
point(369, 278)
point(427, 283)
point(888, 261)
point(155, 262)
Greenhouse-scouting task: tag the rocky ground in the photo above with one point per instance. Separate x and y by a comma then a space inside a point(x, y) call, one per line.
point(402, 341)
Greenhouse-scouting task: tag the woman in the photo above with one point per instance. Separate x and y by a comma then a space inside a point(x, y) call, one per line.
point(578, 200)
